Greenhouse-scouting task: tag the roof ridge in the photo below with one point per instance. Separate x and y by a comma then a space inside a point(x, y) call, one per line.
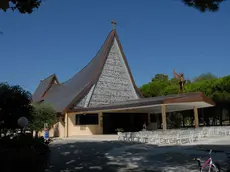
point(137, 90)
point(43, 87)
point(105, 47)
point(54, 77)
point(42, 80)
point(67, 94)
point(48, 77)
point(91, 59)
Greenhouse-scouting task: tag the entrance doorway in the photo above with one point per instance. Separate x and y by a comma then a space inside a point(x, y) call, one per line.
point(129, 122)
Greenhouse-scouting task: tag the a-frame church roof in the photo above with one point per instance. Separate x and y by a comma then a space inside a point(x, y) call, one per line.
point(65, 95)
point(43, 87)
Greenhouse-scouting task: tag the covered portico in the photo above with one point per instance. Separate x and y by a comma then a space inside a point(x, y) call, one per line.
point(163, 104)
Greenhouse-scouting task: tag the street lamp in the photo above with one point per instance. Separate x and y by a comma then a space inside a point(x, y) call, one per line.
point(23, 122)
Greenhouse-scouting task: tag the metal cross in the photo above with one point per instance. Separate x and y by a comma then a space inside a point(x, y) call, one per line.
point(113, 24)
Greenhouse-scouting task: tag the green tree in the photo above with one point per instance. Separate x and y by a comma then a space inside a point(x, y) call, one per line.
point(204, 5)
point(221, 89)
point(27, 6)
point(160, 85)
point(160, 77)
point(216, 88)
point(156, 86)
point(23, 6)
point(14, 103)
point(172, 87)
point(42, 113)
point(205, 76)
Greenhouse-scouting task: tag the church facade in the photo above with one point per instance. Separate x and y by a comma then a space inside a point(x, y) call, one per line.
point(103, 97)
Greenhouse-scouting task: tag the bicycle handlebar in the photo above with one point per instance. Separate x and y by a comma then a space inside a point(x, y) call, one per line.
point(210, 151)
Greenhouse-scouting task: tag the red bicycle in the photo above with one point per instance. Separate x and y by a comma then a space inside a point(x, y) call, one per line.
point(208, 165)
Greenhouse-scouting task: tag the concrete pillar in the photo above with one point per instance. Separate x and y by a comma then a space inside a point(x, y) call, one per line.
point(66, 128)
point(163, 113)
point(196, 118)
point(183, 119)
point(100, 120)
point(149, 118)
point(158, 120)
point(221, 116)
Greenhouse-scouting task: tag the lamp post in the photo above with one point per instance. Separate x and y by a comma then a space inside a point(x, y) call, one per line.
point(23, 122)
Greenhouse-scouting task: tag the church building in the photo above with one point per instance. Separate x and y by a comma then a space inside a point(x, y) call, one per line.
point(103, 97)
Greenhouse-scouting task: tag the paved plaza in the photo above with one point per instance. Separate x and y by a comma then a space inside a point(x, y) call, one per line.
point(92, 154)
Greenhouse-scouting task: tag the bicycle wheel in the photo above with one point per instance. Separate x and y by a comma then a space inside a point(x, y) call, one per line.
point(215, 168)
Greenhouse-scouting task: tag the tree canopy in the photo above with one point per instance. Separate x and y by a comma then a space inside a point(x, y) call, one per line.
point(14, 103)
point(216, 88)
point(204, 5)
point(27, 6)
point(23, 6)
point(42, 113)
point(206, 76)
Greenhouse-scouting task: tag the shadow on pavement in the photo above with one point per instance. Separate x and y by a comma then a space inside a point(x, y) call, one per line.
point(111, 156)
point(83, 156)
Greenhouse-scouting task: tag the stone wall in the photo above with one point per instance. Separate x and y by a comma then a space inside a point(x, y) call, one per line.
point(81, 103)
point(84, 102)
point(114, 84)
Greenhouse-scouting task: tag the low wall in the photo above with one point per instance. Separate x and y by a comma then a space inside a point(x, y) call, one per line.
point(84, 130)
point(174, 136)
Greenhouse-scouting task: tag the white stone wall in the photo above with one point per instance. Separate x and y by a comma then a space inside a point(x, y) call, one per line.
point(114, 84)
point(82, 102)
point(85, 101)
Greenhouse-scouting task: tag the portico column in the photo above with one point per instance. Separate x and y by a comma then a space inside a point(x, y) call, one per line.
point(149, 118)
point(66, 125)
point(196, 118)
point(100, 120)
point(163, 113)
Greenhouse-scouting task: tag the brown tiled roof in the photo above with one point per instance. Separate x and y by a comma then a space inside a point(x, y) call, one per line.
point(63, 96)
point(43, 87)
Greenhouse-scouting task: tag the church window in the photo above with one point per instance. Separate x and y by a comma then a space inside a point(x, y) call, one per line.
point(86, 119)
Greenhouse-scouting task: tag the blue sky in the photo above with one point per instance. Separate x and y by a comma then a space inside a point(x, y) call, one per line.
point(157, 36)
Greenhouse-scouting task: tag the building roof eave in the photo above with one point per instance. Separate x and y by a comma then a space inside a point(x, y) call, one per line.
point(151, 102)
